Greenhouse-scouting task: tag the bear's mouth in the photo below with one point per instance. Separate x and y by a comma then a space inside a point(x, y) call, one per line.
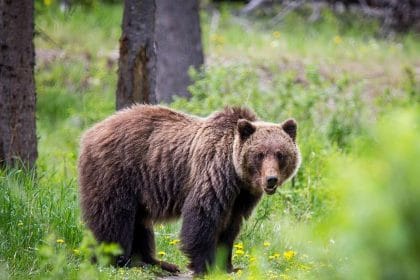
point(270, 191)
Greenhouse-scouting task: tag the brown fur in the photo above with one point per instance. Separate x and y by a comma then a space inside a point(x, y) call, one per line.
point(150, 163)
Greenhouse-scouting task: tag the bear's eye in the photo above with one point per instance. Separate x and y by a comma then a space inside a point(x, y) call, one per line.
point(260, 156)
point(282, 159)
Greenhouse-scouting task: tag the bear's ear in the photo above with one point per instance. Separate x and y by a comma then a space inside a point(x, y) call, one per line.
point(290, 127)
point(245, 128)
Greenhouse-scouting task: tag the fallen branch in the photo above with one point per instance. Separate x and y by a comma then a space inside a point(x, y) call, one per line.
point(252, 5)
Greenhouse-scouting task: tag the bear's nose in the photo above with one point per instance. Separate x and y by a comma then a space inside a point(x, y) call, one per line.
point(271, 181)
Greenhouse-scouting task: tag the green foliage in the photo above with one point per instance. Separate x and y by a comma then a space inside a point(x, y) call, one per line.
point(30, 207)
point(375, 227)
point(43, 5)
point(411, 85)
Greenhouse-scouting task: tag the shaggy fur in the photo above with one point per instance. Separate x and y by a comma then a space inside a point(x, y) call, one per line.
point(150, 164)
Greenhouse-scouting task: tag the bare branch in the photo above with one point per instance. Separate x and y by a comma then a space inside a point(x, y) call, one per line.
point(252, 5)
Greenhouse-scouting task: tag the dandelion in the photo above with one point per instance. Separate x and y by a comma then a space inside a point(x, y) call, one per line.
point(266, 244)
point(239, 246)
point(217, 39)
point(174, 242)
point(337, 40)
point(239, 252)
point(60, 241)
point(161, 253)
point(288, 255)
point(76, 251)
point(276, 34)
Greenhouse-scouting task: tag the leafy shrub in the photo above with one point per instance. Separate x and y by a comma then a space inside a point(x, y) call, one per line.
point(375, 223)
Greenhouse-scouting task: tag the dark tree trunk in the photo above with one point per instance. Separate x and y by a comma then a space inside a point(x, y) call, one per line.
point(17, 87)
point(137, 63)
point(178, 38)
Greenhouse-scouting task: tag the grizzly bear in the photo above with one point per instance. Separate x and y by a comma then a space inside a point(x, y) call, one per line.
point(148, 164)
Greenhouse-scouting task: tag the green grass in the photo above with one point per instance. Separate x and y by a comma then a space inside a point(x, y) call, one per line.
point(356, 99)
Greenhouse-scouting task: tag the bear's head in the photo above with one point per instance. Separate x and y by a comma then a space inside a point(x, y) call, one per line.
point(265, 155)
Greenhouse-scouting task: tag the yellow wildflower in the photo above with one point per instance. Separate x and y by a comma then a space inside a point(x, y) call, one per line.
point(60, 241)
point(218, 39)
point(288, 255)
point(47, 2)
point(76, 251)
point(337, 40)
point(161, 253)
point(252, 259)
point(174, 242)
point(276, 34)
point(239, 252)
point(239, 246)
point(266, 243)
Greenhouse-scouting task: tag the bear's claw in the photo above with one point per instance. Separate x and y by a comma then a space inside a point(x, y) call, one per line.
point(169, 267)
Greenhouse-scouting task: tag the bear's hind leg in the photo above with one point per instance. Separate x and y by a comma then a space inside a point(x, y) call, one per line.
point(116, 227)
point(144, 246)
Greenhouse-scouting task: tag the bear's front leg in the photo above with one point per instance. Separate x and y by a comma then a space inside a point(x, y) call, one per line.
point(198, 235)
point(242, 208)
point(227, 238)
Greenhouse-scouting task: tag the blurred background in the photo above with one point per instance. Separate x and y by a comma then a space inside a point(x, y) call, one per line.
point(348, 71)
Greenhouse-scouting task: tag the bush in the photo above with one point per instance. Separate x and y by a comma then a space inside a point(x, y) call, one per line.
point(375, 225)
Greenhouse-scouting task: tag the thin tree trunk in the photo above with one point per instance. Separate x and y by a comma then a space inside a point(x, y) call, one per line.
point(178, 37)
point(137, 63)
point(18, 141)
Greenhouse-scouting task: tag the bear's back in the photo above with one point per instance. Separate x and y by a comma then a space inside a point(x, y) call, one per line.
point(145, 151)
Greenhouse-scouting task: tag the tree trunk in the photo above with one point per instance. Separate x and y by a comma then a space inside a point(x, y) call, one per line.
point(178, 38)
point(137, 63)
point(17, 87)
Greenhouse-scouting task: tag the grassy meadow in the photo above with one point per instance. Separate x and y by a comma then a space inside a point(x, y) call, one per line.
point(353, 210)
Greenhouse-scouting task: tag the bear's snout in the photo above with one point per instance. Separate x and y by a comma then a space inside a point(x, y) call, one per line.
point(272, 182)
point(270, 174)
